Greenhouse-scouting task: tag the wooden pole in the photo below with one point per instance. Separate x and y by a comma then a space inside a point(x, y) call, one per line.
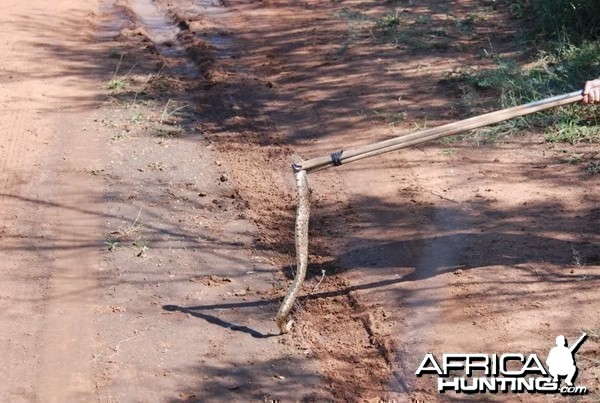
point(449, 129)
point(301, 170)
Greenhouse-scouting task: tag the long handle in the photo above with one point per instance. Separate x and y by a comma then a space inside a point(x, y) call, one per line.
point(436, 132)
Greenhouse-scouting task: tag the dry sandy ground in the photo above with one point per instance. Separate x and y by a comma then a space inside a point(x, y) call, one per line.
point(147, 205)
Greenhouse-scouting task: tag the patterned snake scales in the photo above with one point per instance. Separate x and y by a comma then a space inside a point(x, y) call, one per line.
point(301, 240)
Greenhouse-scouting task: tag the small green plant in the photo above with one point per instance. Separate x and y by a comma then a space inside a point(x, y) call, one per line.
point(467, 24)
point(392, 118)
point(138, 117)
point(116, 84)
point(389, 20)
point(141, 246)
point(361, 112)
point(448, 152)
point(439, 32)
point(593, 167)
point(166, 114)
point(518, 8)
point(133, 228)
point(355, 20)
point(112, 244)
point(128, 236)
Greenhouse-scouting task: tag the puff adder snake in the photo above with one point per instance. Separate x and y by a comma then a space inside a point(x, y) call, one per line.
point(303, 168)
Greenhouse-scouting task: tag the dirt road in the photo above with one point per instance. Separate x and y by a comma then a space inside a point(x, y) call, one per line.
point(49, 227)
point(147, 205)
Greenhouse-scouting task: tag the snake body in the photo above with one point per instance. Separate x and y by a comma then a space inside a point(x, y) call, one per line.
point(301, 241)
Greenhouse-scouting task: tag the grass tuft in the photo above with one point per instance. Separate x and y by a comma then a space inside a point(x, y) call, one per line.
point(563, 70)
point(388, 20)
point(116, 84)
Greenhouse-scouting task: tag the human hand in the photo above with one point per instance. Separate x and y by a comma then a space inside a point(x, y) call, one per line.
point(591, 92)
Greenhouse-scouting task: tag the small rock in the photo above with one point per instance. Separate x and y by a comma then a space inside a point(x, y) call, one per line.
point(224, 178)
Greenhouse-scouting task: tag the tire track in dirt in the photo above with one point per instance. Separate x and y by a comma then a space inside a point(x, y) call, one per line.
point(72, 255)
point(49, 240)
point(15, 141)
point(20, 316)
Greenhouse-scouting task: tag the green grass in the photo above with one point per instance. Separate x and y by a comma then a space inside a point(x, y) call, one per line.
point(577, 20)
point(561, 39)
point(566, 53)
point(116, 84)
point(467, 24)
point(564, 69)
point(593, 167)
point(128, 236)
point(388, 20)
point(355, 21)
point(414, 32)
point(111, 244)
point(572, 130)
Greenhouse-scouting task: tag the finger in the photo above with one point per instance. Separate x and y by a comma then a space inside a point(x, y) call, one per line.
point(590, 85)
point(586, 99)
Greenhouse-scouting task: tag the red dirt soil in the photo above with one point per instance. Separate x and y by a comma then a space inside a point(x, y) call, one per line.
point(147, 204)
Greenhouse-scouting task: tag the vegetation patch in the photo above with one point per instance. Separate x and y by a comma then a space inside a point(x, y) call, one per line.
point(566, 53)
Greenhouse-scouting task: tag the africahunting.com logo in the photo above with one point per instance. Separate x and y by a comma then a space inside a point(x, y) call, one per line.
point(507, 373)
